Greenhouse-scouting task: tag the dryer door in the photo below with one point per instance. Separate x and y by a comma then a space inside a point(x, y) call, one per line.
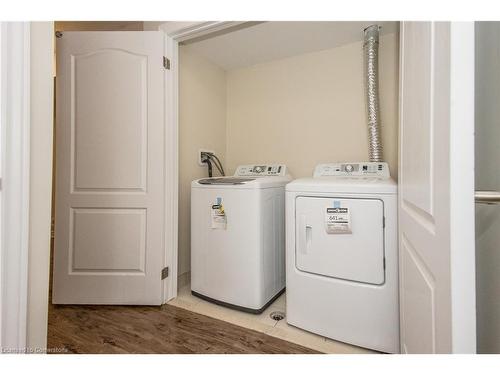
point(341, 238)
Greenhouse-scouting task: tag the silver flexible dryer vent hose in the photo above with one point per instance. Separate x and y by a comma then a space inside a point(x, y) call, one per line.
point(370, 47)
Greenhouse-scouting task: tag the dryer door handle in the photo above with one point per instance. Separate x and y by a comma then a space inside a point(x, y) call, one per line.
point(304, 231)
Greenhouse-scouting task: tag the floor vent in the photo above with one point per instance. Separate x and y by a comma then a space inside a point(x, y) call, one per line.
point(277, 315)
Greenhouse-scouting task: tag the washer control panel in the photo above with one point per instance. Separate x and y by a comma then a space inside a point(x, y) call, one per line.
point(261, 170)
point(364, 169)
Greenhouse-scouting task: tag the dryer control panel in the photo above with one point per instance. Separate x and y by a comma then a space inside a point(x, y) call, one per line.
point(261, 170)
point(363, 169)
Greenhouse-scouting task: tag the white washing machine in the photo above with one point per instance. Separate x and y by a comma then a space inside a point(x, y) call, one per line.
point(342, 260)
point(238, 237)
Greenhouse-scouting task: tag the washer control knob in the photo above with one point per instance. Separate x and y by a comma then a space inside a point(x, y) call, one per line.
point(348, 168)
point(259, 169)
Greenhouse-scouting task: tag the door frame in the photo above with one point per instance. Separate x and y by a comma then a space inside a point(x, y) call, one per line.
point(463, 244)
point(171, 147)
point(15, 184)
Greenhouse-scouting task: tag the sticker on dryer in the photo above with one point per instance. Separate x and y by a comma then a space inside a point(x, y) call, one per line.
point(218, 219)
point(338, 220)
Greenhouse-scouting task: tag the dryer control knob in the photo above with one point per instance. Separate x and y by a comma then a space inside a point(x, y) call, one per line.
point(349, 168)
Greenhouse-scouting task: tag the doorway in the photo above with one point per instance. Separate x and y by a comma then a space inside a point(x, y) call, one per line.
point(487, 181)
point(264, 94)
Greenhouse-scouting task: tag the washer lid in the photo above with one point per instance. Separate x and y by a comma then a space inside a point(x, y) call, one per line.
point(225, 181)
point(235, 182)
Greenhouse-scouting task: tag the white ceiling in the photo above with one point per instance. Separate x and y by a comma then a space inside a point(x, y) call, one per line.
point(269, 41)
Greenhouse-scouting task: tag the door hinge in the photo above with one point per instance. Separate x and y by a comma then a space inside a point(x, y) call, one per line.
point(166, 62)
point(52, 228)
point(164, 273)
point(384, 263)
point(383, 221)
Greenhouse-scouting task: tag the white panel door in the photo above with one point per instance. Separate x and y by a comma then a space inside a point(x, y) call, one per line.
point(436, 197)
point(109, 245)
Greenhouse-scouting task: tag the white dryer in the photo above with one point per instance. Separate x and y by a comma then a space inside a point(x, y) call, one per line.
point(238, 237)
point(342, 260)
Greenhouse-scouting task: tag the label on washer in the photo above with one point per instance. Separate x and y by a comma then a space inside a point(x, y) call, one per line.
point(218, 219)
point(338, 220)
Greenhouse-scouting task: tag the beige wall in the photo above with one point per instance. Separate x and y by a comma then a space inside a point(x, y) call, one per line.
point(202, 124)
point(309, 109)
point(41, 123)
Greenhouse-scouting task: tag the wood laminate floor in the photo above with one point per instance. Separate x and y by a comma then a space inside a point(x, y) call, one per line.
point(144, 329)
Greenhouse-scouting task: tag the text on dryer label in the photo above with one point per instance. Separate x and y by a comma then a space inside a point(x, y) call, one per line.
point(338, 220)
